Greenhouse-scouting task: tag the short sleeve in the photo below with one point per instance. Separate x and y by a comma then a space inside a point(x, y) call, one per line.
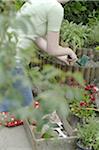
point(55, 17)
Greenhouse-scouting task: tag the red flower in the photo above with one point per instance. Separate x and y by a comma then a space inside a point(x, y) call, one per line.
point(14, 123)
point(92, 97)
point(36, 104)
point(95, 89)
point(9, 120)
point(82, 103)
point(92, 86)
point(88, 88)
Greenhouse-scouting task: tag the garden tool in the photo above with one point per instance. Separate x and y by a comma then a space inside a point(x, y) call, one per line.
point(82, 61)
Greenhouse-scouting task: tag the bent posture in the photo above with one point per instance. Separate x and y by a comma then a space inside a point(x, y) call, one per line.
point(44, 22)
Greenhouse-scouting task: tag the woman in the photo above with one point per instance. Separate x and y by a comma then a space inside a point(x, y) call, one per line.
point(43, 20)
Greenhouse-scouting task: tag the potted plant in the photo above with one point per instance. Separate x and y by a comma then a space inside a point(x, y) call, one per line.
point(88, 135)
point(85, 107)
point(74, 34)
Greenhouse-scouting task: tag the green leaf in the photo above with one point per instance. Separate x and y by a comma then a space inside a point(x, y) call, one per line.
point(97, 48)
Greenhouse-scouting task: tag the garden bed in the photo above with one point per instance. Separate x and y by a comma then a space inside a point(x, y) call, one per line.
point(90, 71)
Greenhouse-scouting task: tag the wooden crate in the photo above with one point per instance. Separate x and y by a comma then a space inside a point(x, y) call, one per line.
point(89, 73)
point(49, 144)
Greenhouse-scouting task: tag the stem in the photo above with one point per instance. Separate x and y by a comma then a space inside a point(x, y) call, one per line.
point(92, 109)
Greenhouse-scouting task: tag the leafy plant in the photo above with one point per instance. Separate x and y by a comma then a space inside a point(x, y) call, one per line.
point(97, 48)
point(96, 144)
point(81, 11)
point(94, 34)
point(73, 34)
point(85, 108)
point(8, 5)
point(8, 44)
point(88, 134)
point(51, 90)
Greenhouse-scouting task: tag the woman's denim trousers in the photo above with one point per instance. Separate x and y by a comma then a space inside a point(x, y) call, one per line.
point(23, 89)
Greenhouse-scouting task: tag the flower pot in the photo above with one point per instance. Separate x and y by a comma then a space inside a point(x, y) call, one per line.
point(74, 120)
point(81, 147)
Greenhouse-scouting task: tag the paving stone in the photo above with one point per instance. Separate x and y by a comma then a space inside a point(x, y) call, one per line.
point(14, 139)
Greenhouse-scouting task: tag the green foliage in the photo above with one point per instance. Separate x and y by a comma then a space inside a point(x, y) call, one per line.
point(8, 44)
point(81, 112)
point(88, 134)
point(78, 35)
point(81, 11)
point(51, 89)
point(96, 144)
point(84, 108)
point(7, 52)
point(8, 5)
point(73, 34)
point(94, 34)
point(19, 3)
point(50, 92)
point(93, 18)
point(97, 48)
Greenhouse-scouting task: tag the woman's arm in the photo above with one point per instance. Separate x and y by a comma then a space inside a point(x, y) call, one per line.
point(51, 46)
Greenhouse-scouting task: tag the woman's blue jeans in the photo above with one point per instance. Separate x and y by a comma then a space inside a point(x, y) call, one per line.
point(23, 89)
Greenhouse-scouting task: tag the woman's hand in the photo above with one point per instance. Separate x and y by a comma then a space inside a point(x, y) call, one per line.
point(70, 58)
point(66, 60)
point(71, 54)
